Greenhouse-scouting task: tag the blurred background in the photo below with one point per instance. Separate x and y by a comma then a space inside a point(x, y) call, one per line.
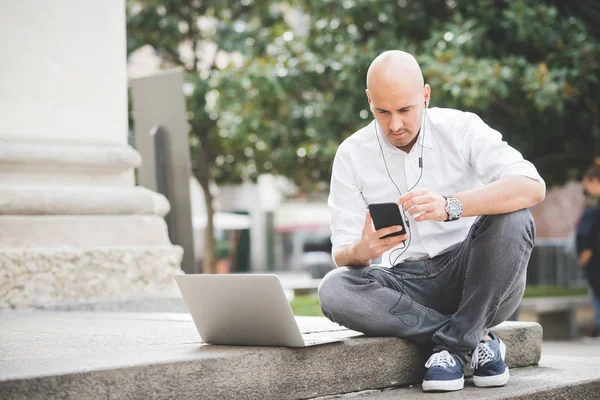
point(272, 88)
point(143, 138)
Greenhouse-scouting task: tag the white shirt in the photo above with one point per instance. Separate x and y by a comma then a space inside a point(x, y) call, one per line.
point(460, 152)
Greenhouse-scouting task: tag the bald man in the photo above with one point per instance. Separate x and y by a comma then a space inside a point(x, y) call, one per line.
point(459, 268)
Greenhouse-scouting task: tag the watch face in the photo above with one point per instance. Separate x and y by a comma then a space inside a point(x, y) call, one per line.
point(454, 208)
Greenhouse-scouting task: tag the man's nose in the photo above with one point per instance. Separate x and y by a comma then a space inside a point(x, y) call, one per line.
point(396, 123)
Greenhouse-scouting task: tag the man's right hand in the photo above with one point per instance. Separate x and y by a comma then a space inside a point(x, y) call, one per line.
point(371, 246)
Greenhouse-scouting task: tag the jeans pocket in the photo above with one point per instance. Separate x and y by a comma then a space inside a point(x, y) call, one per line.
point(411, 268)
point(384, 276)
point(439, 263)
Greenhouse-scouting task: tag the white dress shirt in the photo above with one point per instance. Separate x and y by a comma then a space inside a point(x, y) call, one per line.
point(460, 152)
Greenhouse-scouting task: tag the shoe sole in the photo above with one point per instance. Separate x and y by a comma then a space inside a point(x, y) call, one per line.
point(496, 380)
point(443, 386)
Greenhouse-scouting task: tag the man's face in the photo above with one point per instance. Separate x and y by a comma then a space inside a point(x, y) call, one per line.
point(592, 186)
point(399, 114)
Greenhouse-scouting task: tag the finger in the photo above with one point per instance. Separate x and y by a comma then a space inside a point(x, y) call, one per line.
point(404, 198)
point(392, 242)
point(395, 240)
point(430, 216)
point(386, 231)
point(421, 209)
point(368, 222)
point(422, 199)
point(390, 245)
point(413, 193)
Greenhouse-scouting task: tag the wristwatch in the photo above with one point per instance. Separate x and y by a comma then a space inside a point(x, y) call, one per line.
point(453, 208)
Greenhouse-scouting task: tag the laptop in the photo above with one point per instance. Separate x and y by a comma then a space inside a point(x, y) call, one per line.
point(243, 309)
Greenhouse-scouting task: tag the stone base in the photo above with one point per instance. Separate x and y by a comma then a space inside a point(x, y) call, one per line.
point(82, 231)
point(35, 277)
point(93, 355)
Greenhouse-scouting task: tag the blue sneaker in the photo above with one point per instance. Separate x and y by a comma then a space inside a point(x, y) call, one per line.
point(488, 363)
point(444, 373)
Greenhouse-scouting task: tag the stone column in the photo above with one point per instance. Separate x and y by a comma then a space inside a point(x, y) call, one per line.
point(72, 224)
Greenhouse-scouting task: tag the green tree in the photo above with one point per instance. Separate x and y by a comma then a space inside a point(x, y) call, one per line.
point(206, 37)
point(530, 69)
point(287, 85)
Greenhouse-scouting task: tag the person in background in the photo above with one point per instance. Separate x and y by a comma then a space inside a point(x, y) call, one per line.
point(588, 238)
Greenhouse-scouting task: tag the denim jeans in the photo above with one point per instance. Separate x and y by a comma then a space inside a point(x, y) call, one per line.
point(450, 300)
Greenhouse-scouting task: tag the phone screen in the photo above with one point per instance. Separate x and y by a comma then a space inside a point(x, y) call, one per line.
point(385, 215)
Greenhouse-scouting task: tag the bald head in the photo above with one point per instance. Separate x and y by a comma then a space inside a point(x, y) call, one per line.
point(394, 69)
point(397, 96)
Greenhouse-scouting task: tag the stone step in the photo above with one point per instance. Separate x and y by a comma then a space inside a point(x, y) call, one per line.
point(95, 355)
point(556, 377)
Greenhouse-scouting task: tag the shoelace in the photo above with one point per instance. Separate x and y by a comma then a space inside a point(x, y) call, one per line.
point(440, 359)
point(482, 355)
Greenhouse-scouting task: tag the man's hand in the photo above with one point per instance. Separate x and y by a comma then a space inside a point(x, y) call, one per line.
point(423, 204)
point(585, 256)
point(371, 246)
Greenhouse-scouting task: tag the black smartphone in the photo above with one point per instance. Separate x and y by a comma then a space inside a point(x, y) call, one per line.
point(385, 215)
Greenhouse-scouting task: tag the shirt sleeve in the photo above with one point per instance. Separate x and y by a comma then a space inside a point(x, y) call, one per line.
point(490, 157)
point(347, 205)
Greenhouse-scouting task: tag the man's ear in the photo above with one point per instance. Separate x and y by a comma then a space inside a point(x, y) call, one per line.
point(368, 97)
point(427, 94)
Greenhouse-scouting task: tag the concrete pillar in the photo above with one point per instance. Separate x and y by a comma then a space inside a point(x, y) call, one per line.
point(72, 224)
point(159, 103)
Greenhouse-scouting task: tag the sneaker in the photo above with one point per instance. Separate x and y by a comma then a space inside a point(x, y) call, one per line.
point(444, 373)
point(488, 363)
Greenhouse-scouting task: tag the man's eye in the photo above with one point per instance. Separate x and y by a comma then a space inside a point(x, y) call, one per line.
point(383, 112)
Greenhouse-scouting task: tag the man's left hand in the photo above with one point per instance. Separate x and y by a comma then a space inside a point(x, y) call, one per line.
point(423, 204)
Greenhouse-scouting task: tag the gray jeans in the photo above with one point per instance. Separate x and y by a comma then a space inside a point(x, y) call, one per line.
point(451, 299)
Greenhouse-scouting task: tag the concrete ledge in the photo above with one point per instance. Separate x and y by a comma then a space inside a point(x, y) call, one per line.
point(33, 277)
point(557, 315)
point(81, 200)
point(152, 356)
point(77, 156)
point(82, 231)
point(552, 304)
point(556, 377)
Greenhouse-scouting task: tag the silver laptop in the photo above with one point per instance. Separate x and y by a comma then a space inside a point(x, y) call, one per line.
point(243, 309)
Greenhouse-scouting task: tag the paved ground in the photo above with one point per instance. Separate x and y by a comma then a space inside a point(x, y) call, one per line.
point(96, 355)
point(567, 370)
point(583, 347)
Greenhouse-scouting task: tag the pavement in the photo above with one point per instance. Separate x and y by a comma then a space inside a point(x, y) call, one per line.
point(585, 347)
point(115, 355)
point(149, 349)
point(567, 370)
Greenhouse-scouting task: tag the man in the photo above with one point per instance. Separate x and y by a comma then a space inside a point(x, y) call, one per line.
point(588, 238)
point(460, 275)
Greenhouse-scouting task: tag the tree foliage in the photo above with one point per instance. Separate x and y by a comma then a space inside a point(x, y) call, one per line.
point(276, 86)
point(295, 88)
point(529, 70)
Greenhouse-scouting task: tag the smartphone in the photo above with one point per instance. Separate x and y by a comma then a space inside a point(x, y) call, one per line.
point(385, 215)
